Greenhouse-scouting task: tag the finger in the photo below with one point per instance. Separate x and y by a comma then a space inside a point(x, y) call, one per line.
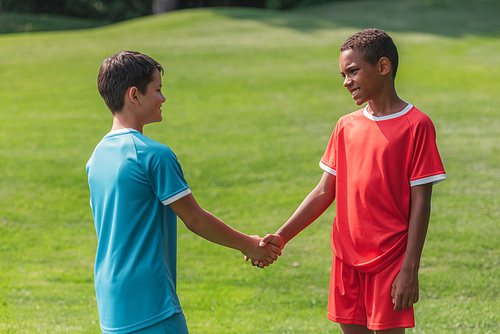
point(260, 263)
point(404, 303)
point(263, 242)
point(246, 258)
point(393, 296)
point(407, 302)
point(276, 249)
point(277, 241)
point(397, 303)
point(273, 256)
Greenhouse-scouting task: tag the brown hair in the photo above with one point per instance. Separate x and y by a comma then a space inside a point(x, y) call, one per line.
point(121, 71)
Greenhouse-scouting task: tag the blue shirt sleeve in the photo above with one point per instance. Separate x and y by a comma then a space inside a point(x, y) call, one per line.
point(163, 170)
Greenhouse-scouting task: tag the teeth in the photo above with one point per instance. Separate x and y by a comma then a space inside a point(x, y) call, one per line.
point(354, 91)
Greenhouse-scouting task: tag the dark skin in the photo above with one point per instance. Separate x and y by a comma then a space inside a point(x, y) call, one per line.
point(405, 289)
point(372, 84)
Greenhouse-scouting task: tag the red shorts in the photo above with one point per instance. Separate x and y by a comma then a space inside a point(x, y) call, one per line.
point(362, 299)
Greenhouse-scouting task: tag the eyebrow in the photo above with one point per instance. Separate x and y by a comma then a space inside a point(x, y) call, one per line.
point(350, 67)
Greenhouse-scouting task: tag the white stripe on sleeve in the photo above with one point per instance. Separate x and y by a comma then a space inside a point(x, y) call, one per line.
point(431, 179)
point(176, 197)
point(328, 169)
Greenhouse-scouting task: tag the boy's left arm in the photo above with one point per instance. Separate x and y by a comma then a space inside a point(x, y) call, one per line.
point(405, 290)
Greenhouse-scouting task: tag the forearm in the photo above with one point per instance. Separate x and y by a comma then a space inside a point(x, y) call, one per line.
point(313, 206)
point(208, 226)
point(417, 227)
point(405, 289)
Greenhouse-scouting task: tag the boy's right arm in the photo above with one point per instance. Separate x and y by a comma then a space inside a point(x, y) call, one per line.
point(313, 206)
point(208, 226)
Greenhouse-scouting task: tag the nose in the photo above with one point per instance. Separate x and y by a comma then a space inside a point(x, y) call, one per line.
point(347, 81)
point(163, 99)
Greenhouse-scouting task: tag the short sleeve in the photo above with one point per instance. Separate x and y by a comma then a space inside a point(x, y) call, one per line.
point(164, 172)
point(426, 166)
point(328, 162)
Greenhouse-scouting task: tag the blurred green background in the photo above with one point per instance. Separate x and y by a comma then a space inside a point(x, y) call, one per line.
point(252, 98)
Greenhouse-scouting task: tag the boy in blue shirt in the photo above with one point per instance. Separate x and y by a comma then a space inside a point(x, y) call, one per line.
point(137, 190)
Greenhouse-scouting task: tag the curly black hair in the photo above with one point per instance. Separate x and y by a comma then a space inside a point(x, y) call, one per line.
point(373, 44)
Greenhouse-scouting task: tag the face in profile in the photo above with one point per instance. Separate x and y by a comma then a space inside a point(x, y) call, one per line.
point(151, 101)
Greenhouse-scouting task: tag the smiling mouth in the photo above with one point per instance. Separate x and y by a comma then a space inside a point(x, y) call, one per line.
point(355, 91)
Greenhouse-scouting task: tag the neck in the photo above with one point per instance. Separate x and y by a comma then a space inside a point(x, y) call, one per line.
point(386, 107)
point(120, 122)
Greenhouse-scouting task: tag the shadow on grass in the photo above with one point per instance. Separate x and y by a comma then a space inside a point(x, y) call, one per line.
point(22, 23)
point(452, 18)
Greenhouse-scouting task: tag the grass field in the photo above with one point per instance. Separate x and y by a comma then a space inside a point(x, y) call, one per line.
point(252, 98)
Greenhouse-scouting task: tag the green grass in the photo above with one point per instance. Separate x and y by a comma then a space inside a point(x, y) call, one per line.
point(252, 98)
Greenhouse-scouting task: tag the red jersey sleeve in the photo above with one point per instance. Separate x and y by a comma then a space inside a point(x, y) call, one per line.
point(426, 165)
point(328, 161)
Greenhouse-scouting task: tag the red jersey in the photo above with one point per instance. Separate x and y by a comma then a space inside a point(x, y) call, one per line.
point(376, 160)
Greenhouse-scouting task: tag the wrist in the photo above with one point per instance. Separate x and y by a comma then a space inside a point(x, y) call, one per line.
point(410, 267)
point(246, 245)
point(283, 237)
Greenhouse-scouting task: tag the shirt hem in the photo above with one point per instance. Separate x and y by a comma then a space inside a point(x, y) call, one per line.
point(142, 325)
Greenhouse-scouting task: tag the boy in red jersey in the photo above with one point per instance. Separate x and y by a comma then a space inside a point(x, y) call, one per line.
point(379, 166)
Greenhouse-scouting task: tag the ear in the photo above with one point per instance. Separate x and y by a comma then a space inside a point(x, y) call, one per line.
point(131, 95)
point(384, 65)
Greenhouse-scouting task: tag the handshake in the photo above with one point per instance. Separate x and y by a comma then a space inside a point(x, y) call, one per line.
point(264, 251)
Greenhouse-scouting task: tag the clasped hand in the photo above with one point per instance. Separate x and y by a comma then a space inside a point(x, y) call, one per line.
point(271, 242)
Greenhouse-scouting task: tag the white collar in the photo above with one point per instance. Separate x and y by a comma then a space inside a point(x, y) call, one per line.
point(121, 131)
point(385, 118)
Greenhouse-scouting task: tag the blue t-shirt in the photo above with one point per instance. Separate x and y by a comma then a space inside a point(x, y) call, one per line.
point(132, 179)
